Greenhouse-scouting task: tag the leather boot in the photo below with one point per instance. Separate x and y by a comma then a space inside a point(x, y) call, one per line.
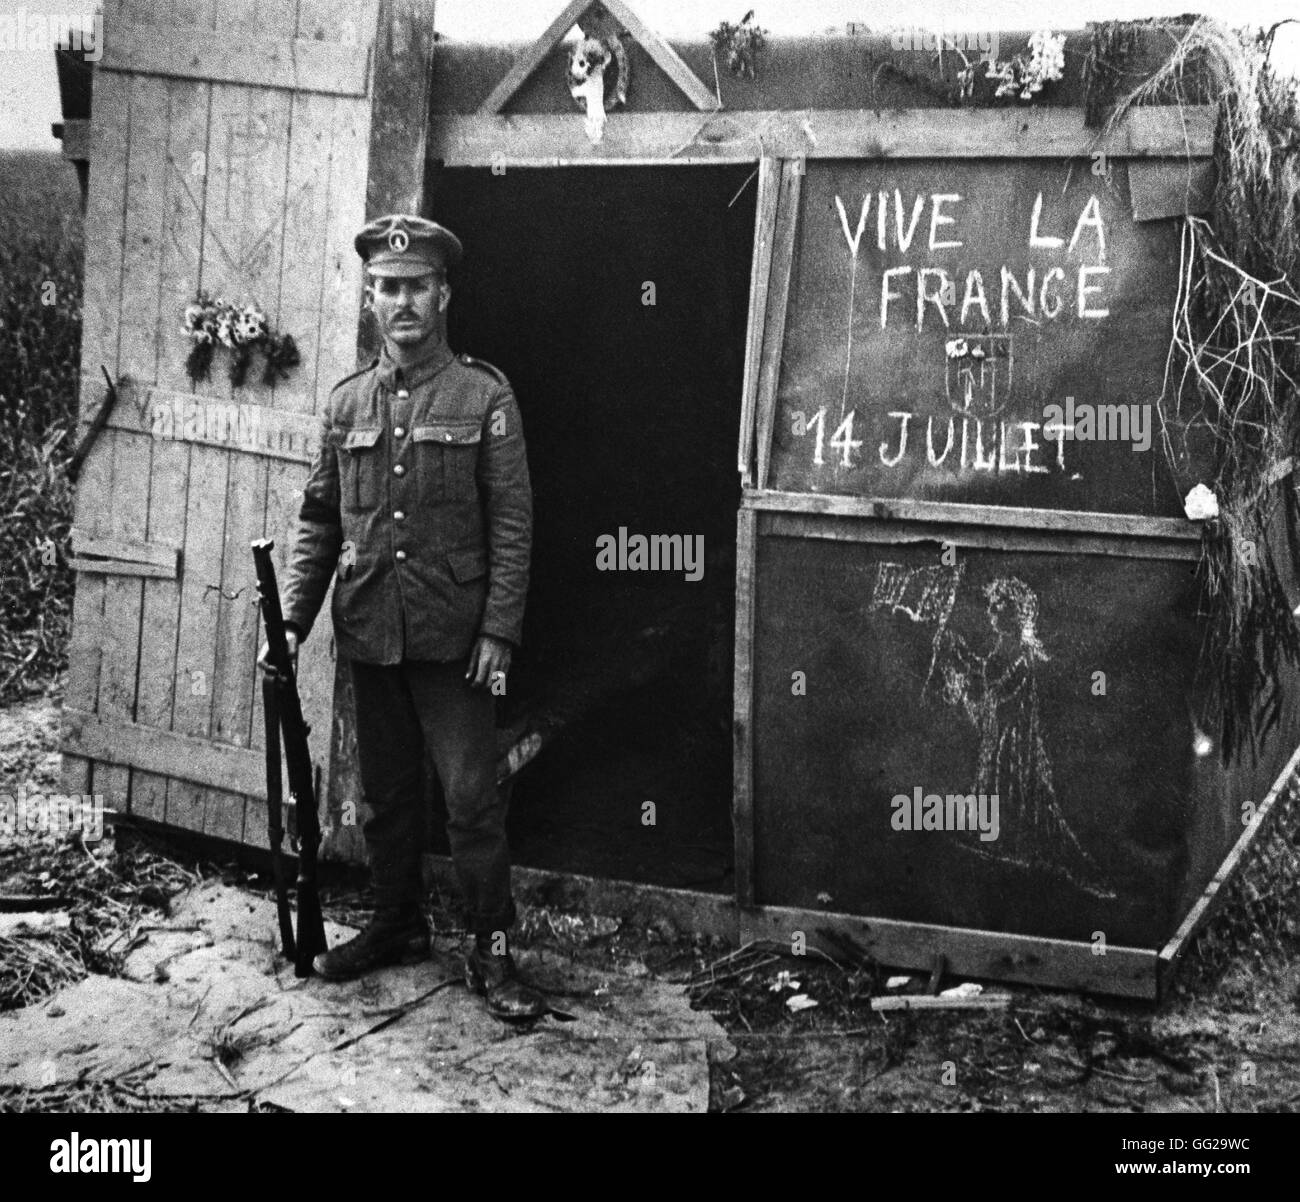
point(395, 935)
point(497, 980)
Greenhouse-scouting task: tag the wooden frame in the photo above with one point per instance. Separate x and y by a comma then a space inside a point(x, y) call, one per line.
point(742, 729)
point(668, 60)
point(991, 537)
point(769, 173)
point(990, 955)
point(1136, 972)
point(906, 509)
point(648, 139)
point(770, 345)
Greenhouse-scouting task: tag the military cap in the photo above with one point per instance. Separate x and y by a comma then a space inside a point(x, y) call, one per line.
point(404, 245)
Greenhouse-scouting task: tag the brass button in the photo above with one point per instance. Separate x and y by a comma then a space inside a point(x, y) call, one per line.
point(401, 555)
point(447, 436)
point(399, 470)
point(398, 432)
point(398, 515)
point(402, 394)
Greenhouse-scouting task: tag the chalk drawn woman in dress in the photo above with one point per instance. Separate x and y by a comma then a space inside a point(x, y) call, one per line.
point(999, 694)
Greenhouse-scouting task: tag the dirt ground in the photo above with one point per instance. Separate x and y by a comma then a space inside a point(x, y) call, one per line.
point(1227, 1040)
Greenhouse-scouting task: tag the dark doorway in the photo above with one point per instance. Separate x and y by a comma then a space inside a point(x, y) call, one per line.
point(616, 301)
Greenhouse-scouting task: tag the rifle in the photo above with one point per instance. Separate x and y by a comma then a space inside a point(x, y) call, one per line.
point(284, 700)
point(275, 815)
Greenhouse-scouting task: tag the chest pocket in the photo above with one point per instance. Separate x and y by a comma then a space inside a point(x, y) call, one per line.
point(359, 467)
point(446, 456)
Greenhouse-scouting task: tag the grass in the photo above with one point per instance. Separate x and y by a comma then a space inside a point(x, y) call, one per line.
point(40, 340)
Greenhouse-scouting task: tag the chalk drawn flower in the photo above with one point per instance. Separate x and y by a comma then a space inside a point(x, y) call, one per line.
point(1201, 504)
point(956, 348)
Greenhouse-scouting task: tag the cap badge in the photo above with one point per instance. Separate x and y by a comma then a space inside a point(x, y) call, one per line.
point(398, 240)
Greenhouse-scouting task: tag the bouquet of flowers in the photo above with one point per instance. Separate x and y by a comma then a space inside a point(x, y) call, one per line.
point(1021, 76)
point(212, 321)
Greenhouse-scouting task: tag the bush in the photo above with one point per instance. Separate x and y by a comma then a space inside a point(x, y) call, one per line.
point(40, 341)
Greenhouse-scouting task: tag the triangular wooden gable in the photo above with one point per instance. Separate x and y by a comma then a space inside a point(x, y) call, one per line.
point(574, 12)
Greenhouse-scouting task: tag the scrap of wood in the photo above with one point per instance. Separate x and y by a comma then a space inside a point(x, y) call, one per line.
point(122, 556)
point(985, 1001)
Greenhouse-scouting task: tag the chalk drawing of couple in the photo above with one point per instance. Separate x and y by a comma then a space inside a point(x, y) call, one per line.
point(998, 693)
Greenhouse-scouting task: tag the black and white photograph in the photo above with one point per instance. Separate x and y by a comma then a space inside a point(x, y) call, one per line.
point(650, 556)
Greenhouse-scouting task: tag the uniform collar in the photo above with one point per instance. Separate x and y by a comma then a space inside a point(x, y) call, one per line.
point(394, 378)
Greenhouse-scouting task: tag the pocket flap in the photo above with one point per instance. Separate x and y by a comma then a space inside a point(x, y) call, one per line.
point(468, 565)
point(360, 438)
point(449, 433)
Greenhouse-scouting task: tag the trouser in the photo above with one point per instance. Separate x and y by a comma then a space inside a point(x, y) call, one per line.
point(402, 710)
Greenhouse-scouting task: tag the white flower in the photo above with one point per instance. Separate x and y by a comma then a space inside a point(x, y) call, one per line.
point(956, 348)
point(250, 325)
point(1201, 504)
point(800, 1001)
point(783, 981)
point(978, 352)
point(225, 330)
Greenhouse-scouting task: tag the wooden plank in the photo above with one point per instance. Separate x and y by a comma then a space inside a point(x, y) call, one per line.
point(759, 274)
point(225, 237)
point(983, 955)
point(556, 140)
point(778, 301)
point(669, 61)
point(1216, 891)
point(119, 567)
point(101, 290)
point(742, 729)
point(262, 170)
point(532, 58)
point(296, 64)
point(179, 274)
point(254, 213)
point(132, 459)
point(154, 554)
point(76, 139)
point(163, 752)
point(872, 530)
point(899, 508)
point(984, 1001)
point(123, 597)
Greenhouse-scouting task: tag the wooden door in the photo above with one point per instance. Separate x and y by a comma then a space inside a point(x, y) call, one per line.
point(228, 155)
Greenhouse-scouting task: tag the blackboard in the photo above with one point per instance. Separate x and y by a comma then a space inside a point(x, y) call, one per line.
point(981, 676)
point(936, 308)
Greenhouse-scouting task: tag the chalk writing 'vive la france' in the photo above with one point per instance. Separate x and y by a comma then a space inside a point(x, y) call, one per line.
point(916, 290)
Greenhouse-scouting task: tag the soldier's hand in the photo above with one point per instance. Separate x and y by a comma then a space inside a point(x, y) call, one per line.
point(263, 660)
point(490, 656)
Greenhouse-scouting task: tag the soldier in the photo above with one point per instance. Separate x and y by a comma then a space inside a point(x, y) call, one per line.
point(419, 501)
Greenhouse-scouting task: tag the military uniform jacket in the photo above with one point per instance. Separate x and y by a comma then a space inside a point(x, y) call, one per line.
point(420, 507)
